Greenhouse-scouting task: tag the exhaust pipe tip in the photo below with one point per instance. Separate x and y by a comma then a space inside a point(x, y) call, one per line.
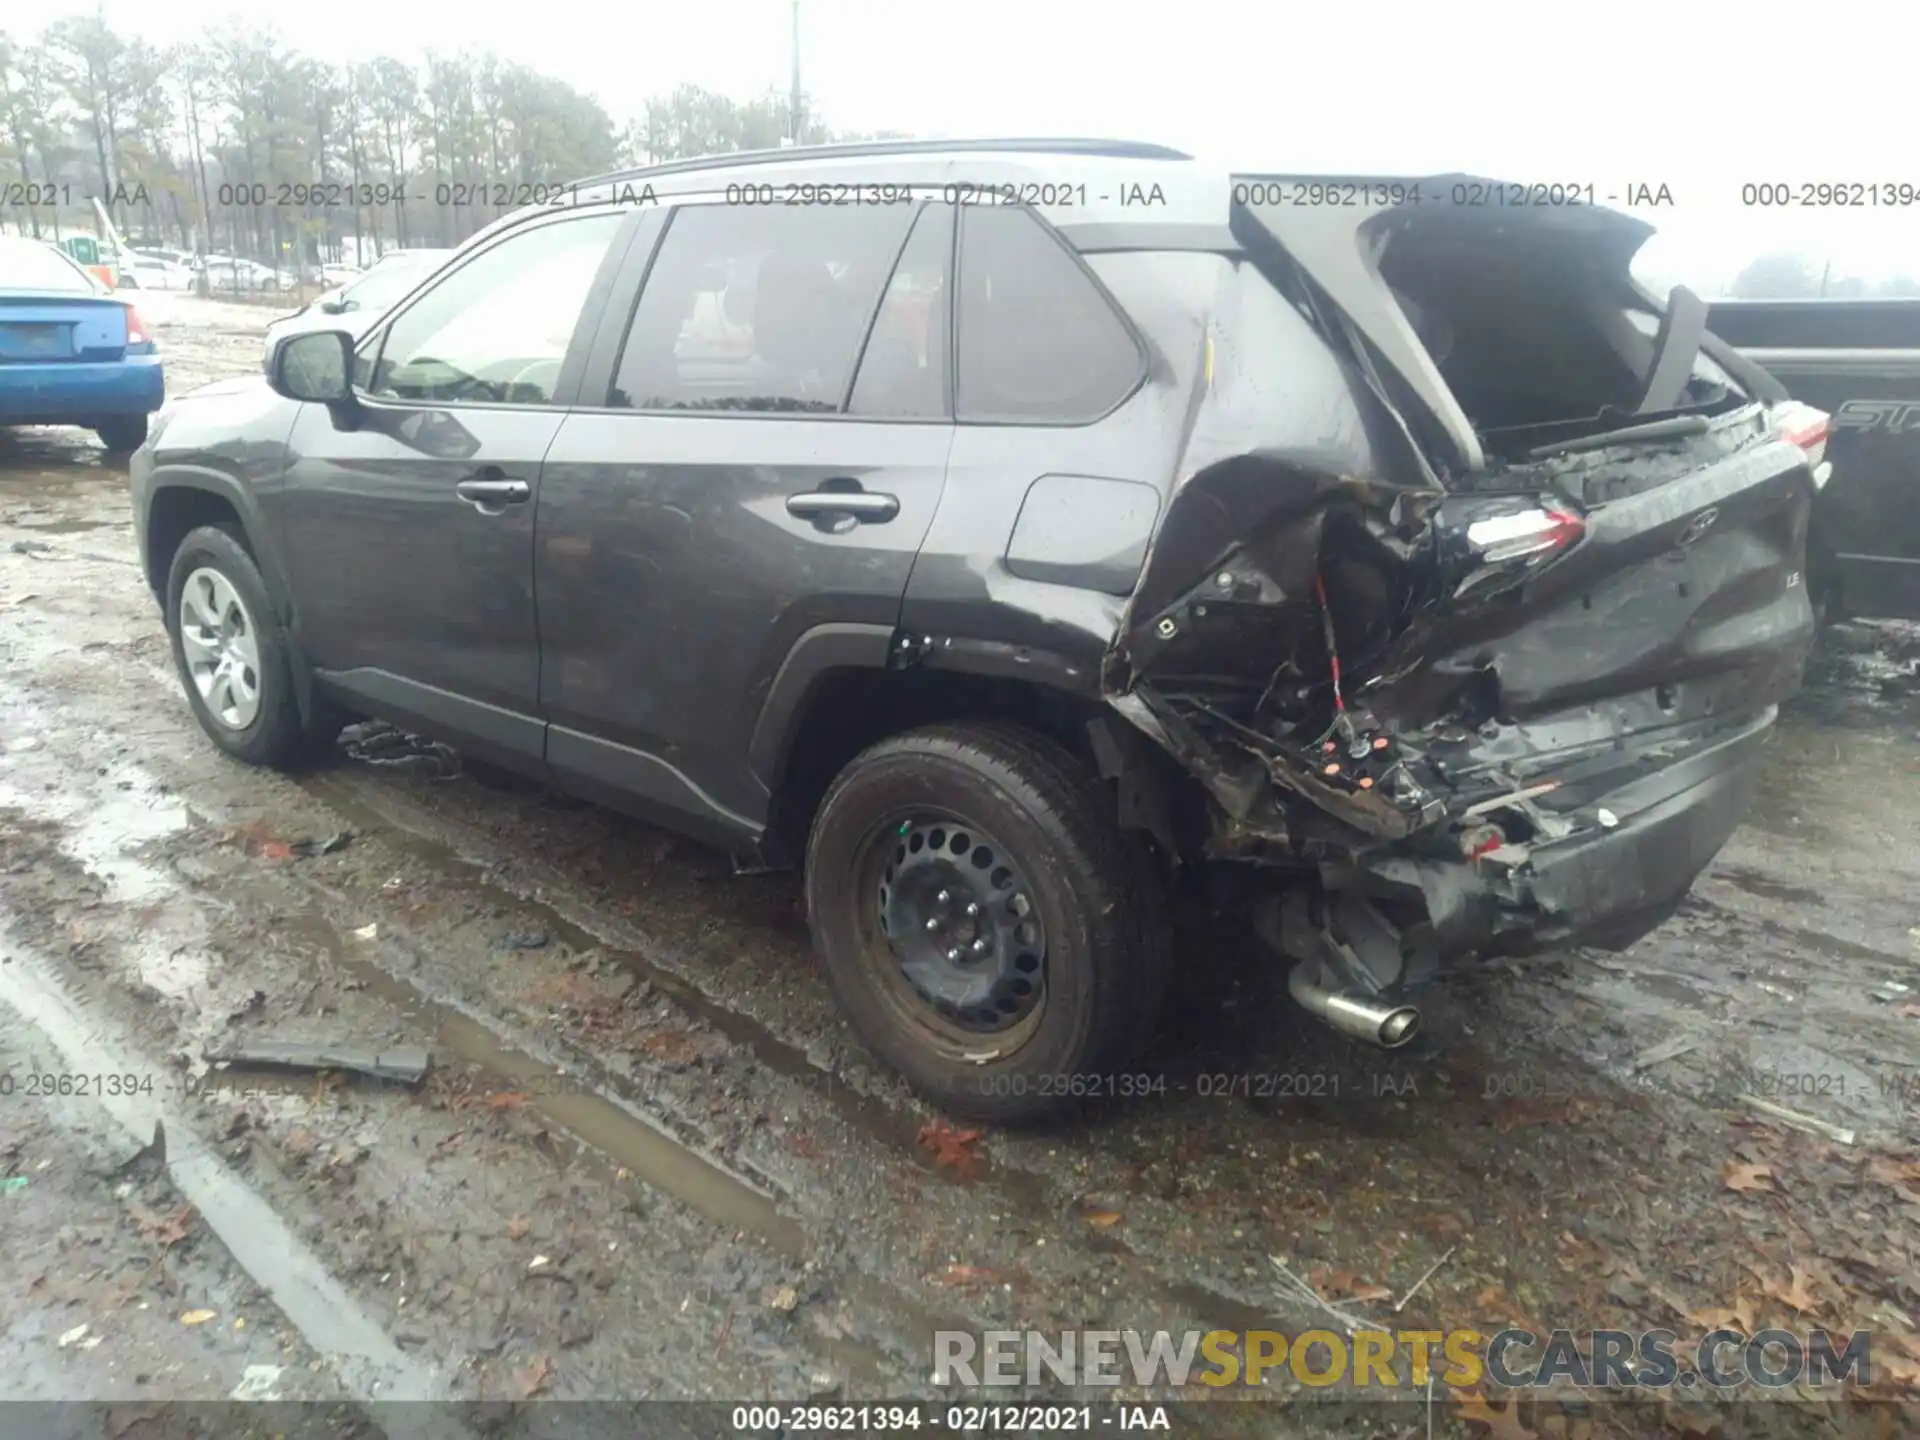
point(1398, 1028)
point(1388, 1026)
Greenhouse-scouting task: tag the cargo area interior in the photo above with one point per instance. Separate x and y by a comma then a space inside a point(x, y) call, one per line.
point(1540, 343)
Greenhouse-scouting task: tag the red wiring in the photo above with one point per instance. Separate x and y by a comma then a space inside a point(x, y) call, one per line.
point(1333, 650)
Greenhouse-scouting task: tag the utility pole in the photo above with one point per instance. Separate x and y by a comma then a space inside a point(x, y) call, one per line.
point(795, 120)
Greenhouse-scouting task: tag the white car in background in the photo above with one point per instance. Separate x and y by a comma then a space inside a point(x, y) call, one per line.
point(139, 271)
point(355, 305)
point(227, 274)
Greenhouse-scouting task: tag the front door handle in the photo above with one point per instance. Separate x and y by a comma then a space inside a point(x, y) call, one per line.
point(857, 505)
point(490, 491)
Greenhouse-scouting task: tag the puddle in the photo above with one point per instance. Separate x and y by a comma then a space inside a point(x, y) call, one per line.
point(607, 1125)
point(896, 1128)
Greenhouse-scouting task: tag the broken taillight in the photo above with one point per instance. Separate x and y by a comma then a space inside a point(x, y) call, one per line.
point(1524, 533)
point(1803, 425)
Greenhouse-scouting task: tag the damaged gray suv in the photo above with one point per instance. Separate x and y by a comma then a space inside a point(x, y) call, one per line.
point(1008, 532)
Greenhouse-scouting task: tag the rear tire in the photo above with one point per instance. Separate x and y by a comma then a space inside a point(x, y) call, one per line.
point(218, 615)
point(1016, 830)
point(123, 434)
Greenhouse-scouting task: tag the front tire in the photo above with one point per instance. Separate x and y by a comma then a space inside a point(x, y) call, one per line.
point(232, 653)
point(123, 434)
point(985, 926)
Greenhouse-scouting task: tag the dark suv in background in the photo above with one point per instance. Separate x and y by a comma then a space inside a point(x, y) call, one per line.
point(1008, 531)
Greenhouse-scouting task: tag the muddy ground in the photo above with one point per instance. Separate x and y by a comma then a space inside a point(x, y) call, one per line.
point(649, 1162)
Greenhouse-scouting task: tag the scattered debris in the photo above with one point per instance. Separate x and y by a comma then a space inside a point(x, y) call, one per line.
point(1890, 991)
point(407, 1064)
point(1669, 1049)
point(1793, 1118)
point(13, 1184)
point(965, 1277)
point(198, 1317)
point(1297, 1289)
point(539, 1262)
point(952, 1148)
point(784, 1299)
point(170, 1229)
point(377, 743)
point(72, 1337)
point(1746, 1178)
point(1103, 1219)
point(1431, 1269)
point(307, 848)
point(518, 1227)
point(528, 1380)
point(522, 940)
point(258, 1382)
point(366, 932)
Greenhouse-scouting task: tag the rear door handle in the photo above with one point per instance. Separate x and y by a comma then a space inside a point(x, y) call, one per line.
point(855, 505)
point(489, 491)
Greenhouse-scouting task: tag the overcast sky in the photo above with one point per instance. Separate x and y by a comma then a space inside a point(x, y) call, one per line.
point(1700, 98)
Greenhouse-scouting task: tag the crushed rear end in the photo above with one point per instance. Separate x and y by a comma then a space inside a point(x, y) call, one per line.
point(1491, 668)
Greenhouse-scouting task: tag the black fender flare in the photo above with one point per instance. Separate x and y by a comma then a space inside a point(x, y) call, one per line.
point(817, 653)
point(260, 540)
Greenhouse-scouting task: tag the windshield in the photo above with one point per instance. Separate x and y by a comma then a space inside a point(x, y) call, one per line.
point(384, 288)
point(30, 265)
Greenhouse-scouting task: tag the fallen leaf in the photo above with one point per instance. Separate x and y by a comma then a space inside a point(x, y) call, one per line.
point(962, 1276)
point(952, 1148)
point(197, 1317)
point(1103, 1219)
point(1888, 1171)
point(518, 1227)
point(1908, 1011)
point(783, 1299)
point(1501, 1423)
point(1723, 1318)
point(676, 1047)
point(528, 1380)
point(1746, 1178)
point(124, 1420)
point(169, 1230)
point(1798, 1293)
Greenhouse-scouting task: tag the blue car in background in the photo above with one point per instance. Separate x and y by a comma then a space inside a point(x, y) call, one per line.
point(71, 351)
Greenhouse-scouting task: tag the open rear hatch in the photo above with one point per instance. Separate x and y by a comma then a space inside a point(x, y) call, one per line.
point(1519, 671)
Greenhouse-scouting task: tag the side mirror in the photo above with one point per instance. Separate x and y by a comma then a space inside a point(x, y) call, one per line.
point(316, 367)
point(334, 307)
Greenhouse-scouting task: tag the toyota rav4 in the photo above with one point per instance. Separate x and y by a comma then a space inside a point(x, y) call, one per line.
point(1007, 532)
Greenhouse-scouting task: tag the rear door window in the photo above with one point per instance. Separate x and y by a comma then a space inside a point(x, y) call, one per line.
point(903, 371)
point(752, 309)
point(1040, 343)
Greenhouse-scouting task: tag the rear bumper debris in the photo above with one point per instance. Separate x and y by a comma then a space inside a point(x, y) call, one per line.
point(1629, 857)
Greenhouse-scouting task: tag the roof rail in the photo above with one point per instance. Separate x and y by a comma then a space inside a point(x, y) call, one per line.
point(1108, 149)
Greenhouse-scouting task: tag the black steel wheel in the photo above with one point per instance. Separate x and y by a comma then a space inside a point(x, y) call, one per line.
point(986, 928)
